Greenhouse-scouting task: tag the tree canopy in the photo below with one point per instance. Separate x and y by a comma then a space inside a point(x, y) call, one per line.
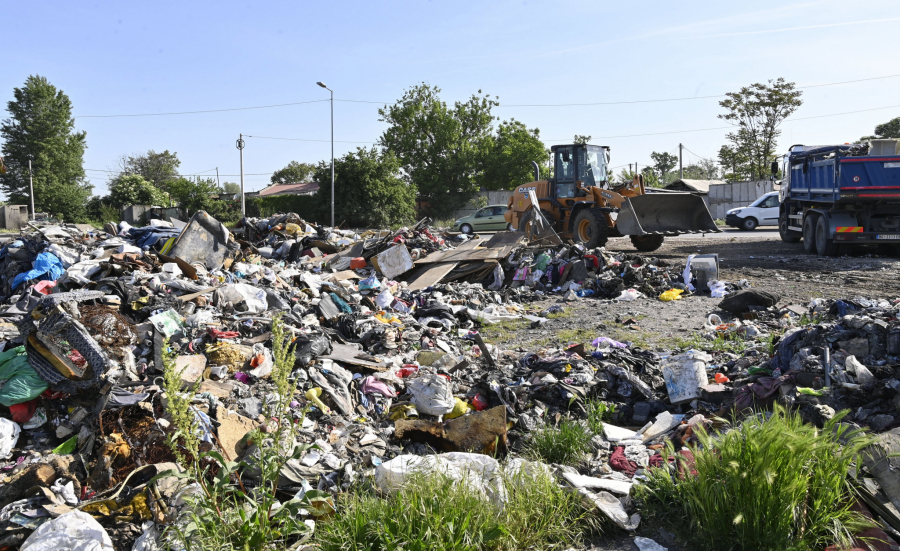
point(297, 173)
point(157, 168)
point(41, 128)
point(889, 129)
point(194, 195)
point(231, 187)
point(663, 163)
point(441, 149)
point(133, 189)
point(508, 164)
point(757, 111)
point(368, 190)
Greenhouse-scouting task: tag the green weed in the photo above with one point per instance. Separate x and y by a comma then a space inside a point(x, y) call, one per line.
point(722, 342)
point(775, 484)
point(503, 331)
point(565, 444)
point(597, 413)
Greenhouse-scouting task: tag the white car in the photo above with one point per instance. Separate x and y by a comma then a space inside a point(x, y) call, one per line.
point(762, 212)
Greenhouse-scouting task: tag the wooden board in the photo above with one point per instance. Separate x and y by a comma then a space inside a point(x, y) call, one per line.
point(430, 275)
point(346, 274)
point(503, 239)
point(346, 354)
point(464, 256)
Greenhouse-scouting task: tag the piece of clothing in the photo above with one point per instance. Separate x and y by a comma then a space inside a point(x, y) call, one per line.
point(46, 266)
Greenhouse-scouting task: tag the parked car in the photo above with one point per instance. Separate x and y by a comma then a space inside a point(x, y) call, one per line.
point(762, 212)
point(489, 218)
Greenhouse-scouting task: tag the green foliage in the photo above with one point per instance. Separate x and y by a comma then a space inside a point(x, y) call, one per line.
point(758, 110)
point(508, 164)
point(736, 162)
point(304, 205)
point(100, 210)
point(663, 163)
point(775, 484)
point(296, 173)
point(581, 139)
point(431, 512)
point(720, 342)
point(231, 188)
point(650, 177)
point(368, 190)
point(441, 149)
point(890, 129)
point(703, 169)
point(178, 407)
point(157, 168)
point(565, 444)
point(193, 195)
point(41, 128)
point(133, 189)
point(597, 413)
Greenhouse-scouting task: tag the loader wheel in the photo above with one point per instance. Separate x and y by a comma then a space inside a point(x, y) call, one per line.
point(809, 233)
point(787, 236)
point(647, 243)
point(590, 228)
point(525, 223)
point(824, 245)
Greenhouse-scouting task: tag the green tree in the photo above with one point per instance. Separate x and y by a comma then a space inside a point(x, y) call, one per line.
point(581, 139)
point(890, 129)
point(757, 111)
point(368, 190)
point(157, 168)
point(296, 173)
point(509, 163)
point(736, 163)
point(703, 169)
point(133, 189)
point(625, 176)
point(41, 128)
point(194, 195)
point(231, 188)
point(650, 177)
point(442, 150)
point(663, 163)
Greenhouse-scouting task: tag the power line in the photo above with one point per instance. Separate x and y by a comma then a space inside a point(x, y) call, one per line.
point(660, 100)
point(193, 174)
point(302, 139)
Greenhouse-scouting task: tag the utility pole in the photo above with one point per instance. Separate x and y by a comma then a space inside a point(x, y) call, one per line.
point(31, 189)
point(680, 165)
point(322, 84)
point(240, 146)
point(218, 183)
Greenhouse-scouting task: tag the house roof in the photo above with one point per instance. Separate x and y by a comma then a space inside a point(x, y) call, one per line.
point(685, 184)
point(290, 189)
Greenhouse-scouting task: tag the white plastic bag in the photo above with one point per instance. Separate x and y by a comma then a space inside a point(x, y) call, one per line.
point(73, 531)
point(629, 294)
point(264, 369)
point(241, 292)
point(612, 508)
point(9, 436)
point(477, 471)
point(431, 394)
point(717, 289)
point(384, 299)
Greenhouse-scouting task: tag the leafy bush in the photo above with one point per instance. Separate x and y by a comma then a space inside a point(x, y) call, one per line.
point(431, 512)
point(132, 189)
point(565, 445)
point(597, 413)
point(771, 484)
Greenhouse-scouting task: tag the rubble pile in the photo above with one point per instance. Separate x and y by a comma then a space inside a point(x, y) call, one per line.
point(388, 368)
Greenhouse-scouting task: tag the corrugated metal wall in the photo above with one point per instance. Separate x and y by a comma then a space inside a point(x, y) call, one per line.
point(724, 197)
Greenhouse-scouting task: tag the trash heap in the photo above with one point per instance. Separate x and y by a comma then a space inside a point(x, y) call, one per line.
point(389, 371)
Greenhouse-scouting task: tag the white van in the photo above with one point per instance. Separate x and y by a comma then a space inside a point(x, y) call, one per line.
point(762, 212)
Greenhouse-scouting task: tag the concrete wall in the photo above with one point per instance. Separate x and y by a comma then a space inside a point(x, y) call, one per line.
point(493, 198)
point(13, 217)
point(724, 197)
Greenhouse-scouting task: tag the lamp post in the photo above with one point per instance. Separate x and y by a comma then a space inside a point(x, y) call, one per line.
point(322, 84)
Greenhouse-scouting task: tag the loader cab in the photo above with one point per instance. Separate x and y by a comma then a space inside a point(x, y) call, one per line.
point(578, 166)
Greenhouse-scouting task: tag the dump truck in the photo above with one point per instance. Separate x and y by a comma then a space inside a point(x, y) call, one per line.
point(836, 195)
point(580, 202)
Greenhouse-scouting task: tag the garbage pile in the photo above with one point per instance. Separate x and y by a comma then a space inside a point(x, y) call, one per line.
point(389, 372)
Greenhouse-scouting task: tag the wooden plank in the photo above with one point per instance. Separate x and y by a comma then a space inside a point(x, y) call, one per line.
point(347, 354)
point(430, 275)
point(465, 256)
point(504, 238)
point(470, 244)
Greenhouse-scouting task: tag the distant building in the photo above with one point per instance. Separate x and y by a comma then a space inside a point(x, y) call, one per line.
point(695, 186)
point(305, 188)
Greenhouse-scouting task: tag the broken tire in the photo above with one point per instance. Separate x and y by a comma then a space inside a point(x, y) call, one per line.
point(647, 243)
point(590, 228)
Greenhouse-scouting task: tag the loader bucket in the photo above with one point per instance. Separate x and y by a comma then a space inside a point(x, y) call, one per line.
point(665, 213)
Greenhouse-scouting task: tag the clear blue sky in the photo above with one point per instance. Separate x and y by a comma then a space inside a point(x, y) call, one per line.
point(116, 58)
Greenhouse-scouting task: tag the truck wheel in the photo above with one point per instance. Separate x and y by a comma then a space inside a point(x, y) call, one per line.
point(525, 223)
point(809, 233)
point(590, 228)
point(749, 224)
point(824, 245)
point(647, 243)
point(787, 236)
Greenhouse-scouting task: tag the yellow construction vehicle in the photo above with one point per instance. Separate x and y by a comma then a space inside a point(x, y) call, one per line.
point(580, 202)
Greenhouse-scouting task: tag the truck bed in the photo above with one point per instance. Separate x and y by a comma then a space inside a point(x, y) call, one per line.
point(857, 178)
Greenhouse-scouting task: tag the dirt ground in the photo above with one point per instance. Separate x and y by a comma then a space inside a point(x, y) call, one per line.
point(766, 262)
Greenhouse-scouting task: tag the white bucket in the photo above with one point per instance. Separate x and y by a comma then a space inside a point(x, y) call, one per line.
point(684, 375)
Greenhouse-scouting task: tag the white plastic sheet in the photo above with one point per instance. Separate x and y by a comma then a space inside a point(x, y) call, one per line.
point(73, 531)
point(612, 508)
point(9, 435)
point(646, 544)
point(241, 292)
point(629, 294)
point(477, 471)
point(431, 394)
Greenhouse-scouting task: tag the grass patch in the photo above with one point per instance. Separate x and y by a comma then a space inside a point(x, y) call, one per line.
point(581, 335)
point(720, 222)
point(723, 342)
point(504, 330)
point(777, 484)
point(597, 413)
point(431, 512)
point(565, 444)
point(566, 313)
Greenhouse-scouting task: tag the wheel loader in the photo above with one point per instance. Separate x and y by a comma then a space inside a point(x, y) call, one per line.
point(581, 203)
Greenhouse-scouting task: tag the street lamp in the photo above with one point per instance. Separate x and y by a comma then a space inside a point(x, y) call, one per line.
point(322, 84)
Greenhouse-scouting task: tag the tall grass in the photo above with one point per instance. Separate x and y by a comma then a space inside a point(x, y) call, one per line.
point(565, 444)
point(775, 484)
point(432, 512)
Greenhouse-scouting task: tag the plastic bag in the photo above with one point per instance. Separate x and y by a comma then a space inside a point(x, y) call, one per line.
point(73, 531)
point(499, 277)
point(22, 381)
point(717, 289)
point(670, 295)
point(315, 346)
point(629, 294)
point(254, 298)
point(384, 299)
point(9, 436)
point(459, 409)
point(431, 394)
point(477, 471)
point(371, 283)
point(261, 361)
